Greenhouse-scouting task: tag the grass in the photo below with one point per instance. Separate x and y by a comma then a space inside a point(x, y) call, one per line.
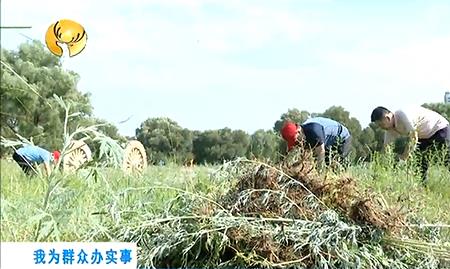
point(109, 204)
point(401, 186)
point(79, 204)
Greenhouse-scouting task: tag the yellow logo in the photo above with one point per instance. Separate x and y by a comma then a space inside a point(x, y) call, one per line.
point(67, 32)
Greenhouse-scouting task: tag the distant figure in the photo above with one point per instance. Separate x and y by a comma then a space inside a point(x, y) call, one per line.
point(29, 156)
point(324, 136)
point(427, 130)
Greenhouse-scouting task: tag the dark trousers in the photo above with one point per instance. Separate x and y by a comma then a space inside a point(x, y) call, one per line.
point(433, 146)
point(25, 164)
point(338, 151)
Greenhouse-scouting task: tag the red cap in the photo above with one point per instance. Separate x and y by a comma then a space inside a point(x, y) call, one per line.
point(289, 133)
point(56, 155)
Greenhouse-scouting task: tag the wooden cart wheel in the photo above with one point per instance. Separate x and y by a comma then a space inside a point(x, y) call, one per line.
point(77, 155)
point(135, 157)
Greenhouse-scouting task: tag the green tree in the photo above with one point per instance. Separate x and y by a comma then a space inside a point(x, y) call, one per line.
point(366, 140)
point(109, 129)
point(36, 114)
point(164, 140)
point(371, 140)
point(264, 145)
point(215, 146)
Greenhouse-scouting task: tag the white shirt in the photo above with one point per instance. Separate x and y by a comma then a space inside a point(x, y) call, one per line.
point(425, 121)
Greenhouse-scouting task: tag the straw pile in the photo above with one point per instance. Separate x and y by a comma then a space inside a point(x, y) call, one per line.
point(288, 216)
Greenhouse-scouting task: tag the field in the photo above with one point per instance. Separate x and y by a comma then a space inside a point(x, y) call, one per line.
point(282, 213)
point(105, 204)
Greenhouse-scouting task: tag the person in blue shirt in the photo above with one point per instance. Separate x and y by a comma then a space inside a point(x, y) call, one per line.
point(29, 156)
point(324, 136)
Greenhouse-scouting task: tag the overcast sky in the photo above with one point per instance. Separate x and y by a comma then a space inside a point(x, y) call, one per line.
point(241, 64)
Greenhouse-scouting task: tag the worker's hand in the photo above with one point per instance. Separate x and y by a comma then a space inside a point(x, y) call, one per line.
point(334, 164)
point(410, 145)
point(47, 169)
point(319, 152)
point(404, 156)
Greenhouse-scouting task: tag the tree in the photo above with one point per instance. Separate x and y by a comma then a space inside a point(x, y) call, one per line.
point(164, 140)
point(109, 129)
point(36, 114)
point(371, 140)
point(294, 115)
point(366, 140)
point(264, 145)
point(215, 146)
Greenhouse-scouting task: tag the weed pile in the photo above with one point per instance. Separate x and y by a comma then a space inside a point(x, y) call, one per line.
point(285, 216)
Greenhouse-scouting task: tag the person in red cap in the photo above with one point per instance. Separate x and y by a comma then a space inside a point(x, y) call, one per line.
point(29, 156)
point(324, 136)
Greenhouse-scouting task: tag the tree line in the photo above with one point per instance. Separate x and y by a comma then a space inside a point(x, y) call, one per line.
point(30, 110)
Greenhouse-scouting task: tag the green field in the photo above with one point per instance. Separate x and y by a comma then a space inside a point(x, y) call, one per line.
point(109, 205)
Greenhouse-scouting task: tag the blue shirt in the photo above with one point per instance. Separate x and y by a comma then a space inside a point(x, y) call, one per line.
point(326, 131)
point(35, 154)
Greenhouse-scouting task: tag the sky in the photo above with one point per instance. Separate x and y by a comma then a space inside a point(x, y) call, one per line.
point(241, 64)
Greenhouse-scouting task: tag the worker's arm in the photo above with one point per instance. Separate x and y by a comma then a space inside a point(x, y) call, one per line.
point(389, 137)
point(410, 145)
point(47, 169)
point(413, 135)
point(319, 153)
point(386, 141)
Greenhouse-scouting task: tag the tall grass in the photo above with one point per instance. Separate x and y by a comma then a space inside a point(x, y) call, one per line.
point(114, 205)
point(80, 206)
point(45, 221)
point(401, 182)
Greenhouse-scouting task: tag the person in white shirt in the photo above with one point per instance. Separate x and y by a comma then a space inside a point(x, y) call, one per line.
point(424, 127)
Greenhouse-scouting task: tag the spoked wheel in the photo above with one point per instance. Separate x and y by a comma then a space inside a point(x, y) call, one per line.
point(135, 158)
point(77, 155)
